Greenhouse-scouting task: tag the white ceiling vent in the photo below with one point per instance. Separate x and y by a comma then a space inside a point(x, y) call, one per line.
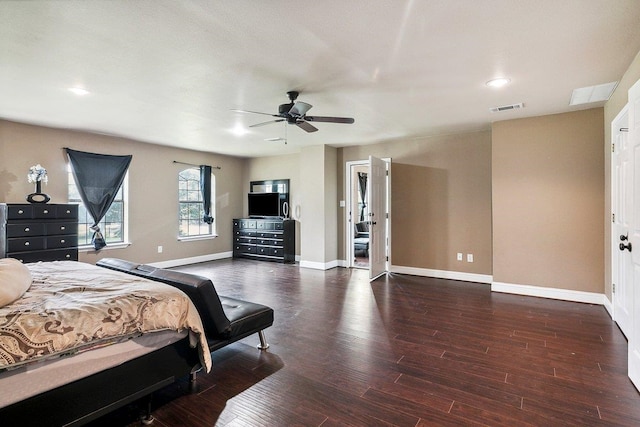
point(506, 108)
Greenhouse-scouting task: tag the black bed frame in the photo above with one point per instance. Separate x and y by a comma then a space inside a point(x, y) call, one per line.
point(89, 398)
point(225, 320)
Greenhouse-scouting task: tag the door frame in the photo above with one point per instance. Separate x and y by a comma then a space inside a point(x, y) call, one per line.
point(620, 121)
point(348, 224)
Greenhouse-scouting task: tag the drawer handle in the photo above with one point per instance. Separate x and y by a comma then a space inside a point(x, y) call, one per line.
point(20, 212)
point(27, 229)
point(67, 256)
point(26, 243)
point(46, 211)
point(63, 227)
point(61, 240)
point(68, 211)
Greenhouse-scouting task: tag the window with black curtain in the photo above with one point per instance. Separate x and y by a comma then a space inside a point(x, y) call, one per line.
point(98, 178)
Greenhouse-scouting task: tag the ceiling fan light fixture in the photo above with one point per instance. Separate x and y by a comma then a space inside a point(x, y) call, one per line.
point(499, 82)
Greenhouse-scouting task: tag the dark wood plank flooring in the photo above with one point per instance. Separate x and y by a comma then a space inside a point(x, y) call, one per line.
point(403, 351)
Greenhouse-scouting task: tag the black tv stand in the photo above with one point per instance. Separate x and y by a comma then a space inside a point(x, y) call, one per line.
point(267, 239)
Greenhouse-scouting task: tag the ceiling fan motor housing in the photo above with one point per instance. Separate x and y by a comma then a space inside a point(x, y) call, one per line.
point(283, 109)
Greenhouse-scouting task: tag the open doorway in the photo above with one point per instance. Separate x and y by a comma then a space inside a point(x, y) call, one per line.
point(360, 215)
point(361, 242)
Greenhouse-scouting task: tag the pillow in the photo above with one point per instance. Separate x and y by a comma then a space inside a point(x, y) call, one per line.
point(15, 279)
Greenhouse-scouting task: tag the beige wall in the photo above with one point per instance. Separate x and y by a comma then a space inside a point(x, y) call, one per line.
point(312, 210)
point(441, 200)
point(153, 205)
point(330, 204)
point(277, 167)
point(548, 193)
point(611, 109)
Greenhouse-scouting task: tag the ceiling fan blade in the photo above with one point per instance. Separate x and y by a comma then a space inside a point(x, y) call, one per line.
point(345, 120)
point(300, 108)
point(308, 127)
point(254, 112)
point(266, 123)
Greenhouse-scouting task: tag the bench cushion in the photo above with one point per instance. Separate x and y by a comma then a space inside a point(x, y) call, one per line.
point(225, 319)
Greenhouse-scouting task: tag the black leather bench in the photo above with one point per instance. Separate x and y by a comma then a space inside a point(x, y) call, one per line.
point(225, 319)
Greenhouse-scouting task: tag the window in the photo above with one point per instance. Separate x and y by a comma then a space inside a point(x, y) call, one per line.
point(191, 205)
point(112, 226)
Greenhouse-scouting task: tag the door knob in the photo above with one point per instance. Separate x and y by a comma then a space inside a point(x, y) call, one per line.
point(627, 246)
point(624, 237)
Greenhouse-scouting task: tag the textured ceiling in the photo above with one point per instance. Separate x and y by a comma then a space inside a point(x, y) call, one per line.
point(170, 72)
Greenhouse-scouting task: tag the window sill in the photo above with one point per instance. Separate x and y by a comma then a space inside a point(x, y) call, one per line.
point(89, 248)
point(195, 238)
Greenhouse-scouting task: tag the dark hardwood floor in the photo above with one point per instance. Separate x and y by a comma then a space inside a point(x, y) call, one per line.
point(403, 351)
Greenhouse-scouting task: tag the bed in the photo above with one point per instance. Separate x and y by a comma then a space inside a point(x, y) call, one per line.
point(83, 340)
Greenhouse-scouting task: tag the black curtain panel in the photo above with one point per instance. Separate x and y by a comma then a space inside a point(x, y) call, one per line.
point(98, 178)
point(362, 181)
point(205, 189)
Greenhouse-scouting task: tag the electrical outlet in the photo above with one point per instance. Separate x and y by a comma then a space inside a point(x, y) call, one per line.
point(159, 249)
point(459, 256)
point(469, 257)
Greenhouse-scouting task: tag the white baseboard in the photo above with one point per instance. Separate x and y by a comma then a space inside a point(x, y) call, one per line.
point(443, 274)
point(553, 293)
point(191, 260)
point(319, 265)
point(608, 305)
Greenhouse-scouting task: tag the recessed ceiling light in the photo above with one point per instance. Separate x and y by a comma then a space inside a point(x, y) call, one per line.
point(78, 91)
point(499, 82)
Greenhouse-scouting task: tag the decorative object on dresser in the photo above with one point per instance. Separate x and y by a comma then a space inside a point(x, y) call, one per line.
point(39, 232)
point(268, 239)
point(38, 174)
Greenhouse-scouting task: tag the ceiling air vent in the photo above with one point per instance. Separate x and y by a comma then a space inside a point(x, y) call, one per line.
point(506, 107)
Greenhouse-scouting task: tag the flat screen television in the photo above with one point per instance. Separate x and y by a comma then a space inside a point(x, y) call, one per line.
point(264, 204)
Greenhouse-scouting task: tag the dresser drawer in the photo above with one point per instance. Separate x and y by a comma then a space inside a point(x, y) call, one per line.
point(45, 211)
point(55, 228)
point(53, 255)
point(67, 212)
point(244, 239)
point(269, 242)
point(270, 251)
point(55, 242)
point(19, 211)
point(25, 230)
point(25, 244)
point(269, 235)
point(245, 249)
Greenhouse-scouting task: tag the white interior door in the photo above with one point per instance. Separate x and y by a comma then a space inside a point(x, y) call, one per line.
point(634, 233)
point(377, 198)
point(621, 206)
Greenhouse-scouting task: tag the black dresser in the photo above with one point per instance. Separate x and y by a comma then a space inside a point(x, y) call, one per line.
point(39, 232)
point(270, 239)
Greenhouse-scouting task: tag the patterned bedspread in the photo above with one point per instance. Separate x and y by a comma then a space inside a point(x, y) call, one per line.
point(73, 306)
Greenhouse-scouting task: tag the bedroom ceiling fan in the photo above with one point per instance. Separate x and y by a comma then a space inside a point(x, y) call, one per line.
point(294, 113)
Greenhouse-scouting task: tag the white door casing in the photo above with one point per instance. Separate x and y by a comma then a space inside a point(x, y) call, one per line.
point(634, 233)
point(621, 207)
point(377, 197)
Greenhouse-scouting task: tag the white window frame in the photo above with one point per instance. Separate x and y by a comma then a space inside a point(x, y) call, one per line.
point(212, 227)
